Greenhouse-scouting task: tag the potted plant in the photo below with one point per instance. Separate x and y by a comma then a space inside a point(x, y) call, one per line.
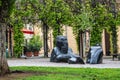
point(28, 50)
point(36, 44)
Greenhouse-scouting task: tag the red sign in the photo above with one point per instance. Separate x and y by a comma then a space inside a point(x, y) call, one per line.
point(27, 31)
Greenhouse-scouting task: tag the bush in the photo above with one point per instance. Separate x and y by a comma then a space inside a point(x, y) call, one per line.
point(35, 43)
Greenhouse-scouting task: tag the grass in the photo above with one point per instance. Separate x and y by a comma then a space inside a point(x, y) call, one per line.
point(55, 73)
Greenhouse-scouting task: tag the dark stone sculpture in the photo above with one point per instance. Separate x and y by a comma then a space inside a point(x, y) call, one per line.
point(62, 53)
point(95, 55)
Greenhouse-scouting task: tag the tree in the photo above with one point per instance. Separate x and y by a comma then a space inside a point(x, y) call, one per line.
point(55, 14)
point(113, 27)
point(43, 12)
point(118, 18)
point(52, 14)
point(92, 15)
point(105, 18)
point(5, 11)
point(23, 13)
point(101, 22)
point(83, 20)
point(9, 15)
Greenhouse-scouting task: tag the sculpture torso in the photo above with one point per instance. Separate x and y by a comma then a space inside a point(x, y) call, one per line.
point(62, 52)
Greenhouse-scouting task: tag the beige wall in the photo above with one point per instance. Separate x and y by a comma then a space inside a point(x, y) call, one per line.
point(118, 31)
point(71, 38)
point(118, 39)
point(103, 42)
point(67, 32)
point(117, 1)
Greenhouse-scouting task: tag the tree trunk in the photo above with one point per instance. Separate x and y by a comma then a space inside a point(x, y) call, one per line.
point(5, 7)
point(4, 69)
point(114, 39)
point(81, 43)
point(45, 38)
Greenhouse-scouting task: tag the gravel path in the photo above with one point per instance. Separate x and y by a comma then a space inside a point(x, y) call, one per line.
point(44, 62)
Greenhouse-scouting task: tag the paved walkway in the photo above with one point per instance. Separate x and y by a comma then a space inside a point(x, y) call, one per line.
point(44, 62)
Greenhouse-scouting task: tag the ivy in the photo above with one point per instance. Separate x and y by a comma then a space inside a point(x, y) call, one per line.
point(18, 39)
point(83, 19)
point(0, 3)
point(103, 20)
point(118, 19)
point(55, 14)
point(92, 18)
point(95, 36)
point(22, 13)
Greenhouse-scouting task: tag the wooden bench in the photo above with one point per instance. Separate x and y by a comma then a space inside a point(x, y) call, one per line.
point(116, 56)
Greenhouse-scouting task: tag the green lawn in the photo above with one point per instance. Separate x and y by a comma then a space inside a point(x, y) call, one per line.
point(53, 73)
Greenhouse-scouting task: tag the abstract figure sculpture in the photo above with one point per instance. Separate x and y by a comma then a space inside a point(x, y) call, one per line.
point(95, 55)
point(62, 53)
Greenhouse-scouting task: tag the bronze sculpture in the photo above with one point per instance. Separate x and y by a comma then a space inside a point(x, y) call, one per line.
point(95, 55)
point(62, 53)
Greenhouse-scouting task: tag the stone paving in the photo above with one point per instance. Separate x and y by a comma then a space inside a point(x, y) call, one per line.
point(45, 62)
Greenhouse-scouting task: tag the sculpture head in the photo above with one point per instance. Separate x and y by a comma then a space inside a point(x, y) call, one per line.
point(62, 44)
